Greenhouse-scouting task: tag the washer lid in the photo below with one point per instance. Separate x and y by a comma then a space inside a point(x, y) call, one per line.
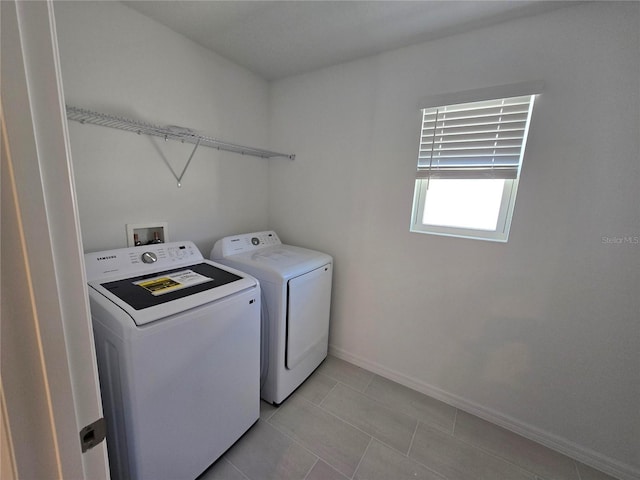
point(151, 297)
point(161, 287)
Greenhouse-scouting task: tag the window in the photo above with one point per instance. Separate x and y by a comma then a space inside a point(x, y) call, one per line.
point(468, 167)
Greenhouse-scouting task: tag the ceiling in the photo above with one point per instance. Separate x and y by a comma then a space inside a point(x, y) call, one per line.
point(276, 39)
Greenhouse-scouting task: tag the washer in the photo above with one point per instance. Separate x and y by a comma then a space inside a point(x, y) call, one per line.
point(178, 347)
point(296, 289)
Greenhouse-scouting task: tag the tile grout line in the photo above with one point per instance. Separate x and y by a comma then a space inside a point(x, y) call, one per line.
point(456, 412)
point(235, 467)
point(275, 409)
point(350, 425)
point(327, 395)
point(415, 430)
point(575, 464)
point(373, 375)
point(455, 419)
point(486, 451)
point(346, 422)
point(497, 455)
point(494, 454)
point(382, 405)
point(344, 383)
point(397, 409)
point(475, 447)
point(374, 400)
point(311, 469)
point(362, 458)
point(479, 448)
point(304, 447)
point(418, 462)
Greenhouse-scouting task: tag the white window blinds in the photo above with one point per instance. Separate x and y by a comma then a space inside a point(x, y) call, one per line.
point(474, 140)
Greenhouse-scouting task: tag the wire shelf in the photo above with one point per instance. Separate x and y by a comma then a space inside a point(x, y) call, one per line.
point(170, 132)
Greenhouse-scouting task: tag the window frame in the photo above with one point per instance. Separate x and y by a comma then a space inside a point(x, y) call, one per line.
point(503, 225)
point(507, 206)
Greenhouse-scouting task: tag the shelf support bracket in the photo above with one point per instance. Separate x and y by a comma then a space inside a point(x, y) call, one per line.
point(188, 162)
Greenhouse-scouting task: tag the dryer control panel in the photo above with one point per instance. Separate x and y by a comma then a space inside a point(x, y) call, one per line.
point(243, 243)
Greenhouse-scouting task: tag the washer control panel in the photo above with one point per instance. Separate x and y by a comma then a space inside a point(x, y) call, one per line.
point(246, 242)
point(137, 260)
point(149, 257)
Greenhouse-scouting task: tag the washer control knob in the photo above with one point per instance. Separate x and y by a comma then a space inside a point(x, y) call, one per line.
point(255, 241)
point(149, 257)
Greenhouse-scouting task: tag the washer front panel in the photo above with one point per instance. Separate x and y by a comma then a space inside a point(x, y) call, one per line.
point(179, 392)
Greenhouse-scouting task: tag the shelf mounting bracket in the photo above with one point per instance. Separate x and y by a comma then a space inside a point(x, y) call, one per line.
point(188, 162)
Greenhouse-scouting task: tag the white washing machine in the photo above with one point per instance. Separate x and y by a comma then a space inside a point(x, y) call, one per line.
point(296, 289)
point(178, 349)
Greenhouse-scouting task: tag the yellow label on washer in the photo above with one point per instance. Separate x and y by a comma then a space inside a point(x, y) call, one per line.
point(160, 285)
point(172, 281)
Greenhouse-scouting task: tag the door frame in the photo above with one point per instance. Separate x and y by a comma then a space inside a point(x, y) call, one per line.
point(48, 354)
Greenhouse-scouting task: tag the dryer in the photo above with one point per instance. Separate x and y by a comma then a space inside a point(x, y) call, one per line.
point(178, 347)
point(296, 289)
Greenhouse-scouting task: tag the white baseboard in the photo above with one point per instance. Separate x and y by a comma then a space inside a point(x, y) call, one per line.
point(578, 452)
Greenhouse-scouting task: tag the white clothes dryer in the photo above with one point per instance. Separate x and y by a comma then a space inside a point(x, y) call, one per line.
point(296, 289)
point(178, 347)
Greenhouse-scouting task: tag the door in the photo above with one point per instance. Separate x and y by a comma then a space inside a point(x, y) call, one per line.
point(48, 370)
point(309, 300)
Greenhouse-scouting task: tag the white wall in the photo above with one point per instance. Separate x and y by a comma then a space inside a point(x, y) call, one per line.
point(548, 344)
point(540, 334)
point(116, 61)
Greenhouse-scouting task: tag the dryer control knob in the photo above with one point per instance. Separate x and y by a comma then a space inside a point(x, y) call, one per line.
point(149, 257)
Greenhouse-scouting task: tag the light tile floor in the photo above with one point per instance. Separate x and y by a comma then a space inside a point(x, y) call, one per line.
point(347, 423)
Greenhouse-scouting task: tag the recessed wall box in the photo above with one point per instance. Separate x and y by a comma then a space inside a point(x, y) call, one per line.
point(146, 233)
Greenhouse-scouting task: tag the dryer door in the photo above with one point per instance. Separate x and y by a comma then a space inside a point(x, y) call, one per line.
point(309, 300)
